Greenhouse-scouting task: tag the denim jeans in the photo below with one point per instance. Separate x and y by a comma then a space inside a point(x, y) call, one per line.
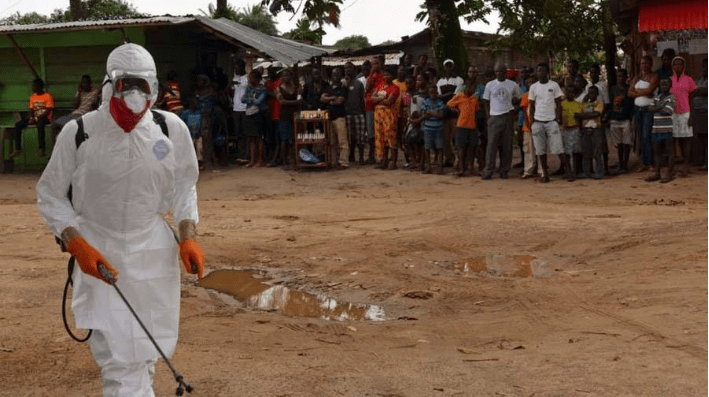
point(643, 120)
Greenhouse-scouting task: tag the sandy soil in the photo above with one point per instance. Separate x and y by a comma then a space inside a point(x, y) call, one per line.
point(616, 305)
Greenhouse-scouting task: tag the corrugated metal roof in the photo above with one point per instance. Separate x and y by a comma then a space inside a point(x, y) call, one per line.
point(391, 58)
point(80, 25)
point(286, 51)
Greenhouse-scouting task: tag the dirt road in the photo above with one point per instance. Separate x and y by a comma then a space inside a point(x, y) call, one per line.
point(487, 288)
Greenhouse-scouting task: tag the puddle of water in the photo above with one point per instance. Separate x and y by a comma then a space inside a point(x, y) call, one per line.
point(507, 265)
point(256, 294)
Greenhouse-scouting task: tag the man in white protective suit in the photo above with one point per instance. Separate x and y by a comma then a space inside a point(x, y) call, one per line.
point(124, 177)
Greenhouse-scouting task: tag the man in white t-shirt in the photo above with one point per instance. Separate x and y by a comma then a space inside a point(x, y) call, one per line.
point(239, 83)
point(448, 85)
point(545, 108)
point(501, 96)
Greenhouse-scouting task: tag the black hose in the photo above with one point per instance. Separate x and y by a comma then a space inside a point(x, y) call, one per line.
point(70, 269)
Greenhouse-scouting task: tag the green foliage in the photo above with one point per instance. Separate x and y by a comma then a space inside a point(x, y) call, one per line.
point(254, 16)
point(24, 19)
point(557, 28)
point(354, 42)
point(96, 10)
point(305, 33)
point(551, 27)
point(321, 12)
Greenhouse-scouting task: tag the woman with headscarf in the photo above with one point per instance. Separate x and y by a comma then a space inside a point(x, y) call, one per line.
point(682, 86)
point(385, 121)
point(642, 89)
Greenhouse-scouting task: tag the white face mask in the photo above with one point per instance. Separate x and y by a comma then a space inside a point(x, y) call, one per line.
point(135, 101)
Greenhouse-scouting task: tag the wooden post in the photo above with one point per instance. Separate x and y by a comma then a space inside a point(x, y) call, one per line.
point(22, 55)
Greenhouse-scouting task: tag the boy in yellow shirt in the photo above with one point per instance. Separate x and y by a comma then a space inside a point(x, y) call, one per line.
point(570, 128)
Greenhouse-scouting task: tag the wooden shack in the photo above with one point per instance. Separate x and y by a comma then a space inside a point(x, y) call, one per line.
point(61, 53)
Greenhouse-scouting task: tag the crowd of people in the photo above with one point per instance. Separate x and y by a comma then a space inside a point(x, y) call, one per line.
point(378, 111)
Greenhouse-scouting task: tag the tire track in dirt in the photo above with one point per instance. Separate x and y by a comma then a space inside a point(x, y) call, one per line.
point(568, 295)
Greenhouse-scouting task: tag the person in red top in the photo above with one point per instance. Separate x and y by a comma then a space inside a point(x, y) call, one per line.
point(385, 120)
point(173, 97)
point(373, 83)
point(41, 114)
point(274, 107)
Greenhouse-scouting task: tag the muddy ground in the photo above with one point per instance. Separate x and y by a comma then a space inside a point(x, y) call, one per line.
point(488, 288)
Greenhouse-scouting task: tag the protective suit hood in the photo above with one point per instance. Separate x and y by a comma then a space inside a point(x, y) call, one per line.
point(134, 84)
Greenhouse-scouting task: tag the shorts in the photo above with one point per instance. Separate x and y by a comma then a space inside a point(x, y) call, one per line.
point(547, 133)
point(680, 126)
point(621, 133)
point(572, 140)
point(285, 131)
point(197, 143)
point(414, 137)
point(466, 137)
point(253, 126)
point(433, 138)
point(356, 129)
point(659, 137)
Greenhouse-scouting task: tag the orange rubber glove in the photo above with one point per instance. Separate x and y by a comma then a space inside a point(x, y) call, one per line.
point(89, 258)
point(191, 253)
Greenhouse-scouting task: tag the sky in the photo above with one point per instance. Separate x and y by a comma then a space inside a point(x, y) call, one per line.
point(378, 20)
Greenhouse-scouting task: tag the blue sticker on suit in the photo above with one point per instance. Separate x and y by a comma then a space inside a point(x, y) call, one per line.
point(160, 149)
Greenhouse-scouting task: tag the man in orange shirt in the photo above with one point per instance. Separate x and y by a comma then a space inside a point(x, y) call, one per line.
point(466, 137)
point(41, 114)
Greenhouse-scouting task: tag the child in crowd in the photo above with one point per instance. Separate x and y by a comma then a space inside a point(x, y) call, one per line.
point(663, 105)
point(414, 131)
point(570, 127)
point(432, 111)
point(172, 96)
point(620, 114)
point(591, 134)
point(193, 118)
point(466, 138)
point(530, 157)
point(405, 115)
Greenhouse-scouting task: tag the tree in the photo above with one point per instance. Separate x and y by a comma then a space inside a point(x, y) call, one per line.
point(557, 28)
point(24, 19)
point(77, 10)
point(446, 35)
point(254, 16)
point(305, 33)
point(97, 10)
point(94, 10)
point(354, 42)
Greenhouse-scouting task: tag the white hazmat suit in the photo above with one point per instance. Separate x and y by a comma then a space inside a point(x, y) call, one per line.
point(122, 184)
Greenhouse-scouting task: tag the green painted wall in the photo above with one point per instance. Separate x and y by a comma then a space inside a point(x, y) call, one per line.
point(74, 38)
